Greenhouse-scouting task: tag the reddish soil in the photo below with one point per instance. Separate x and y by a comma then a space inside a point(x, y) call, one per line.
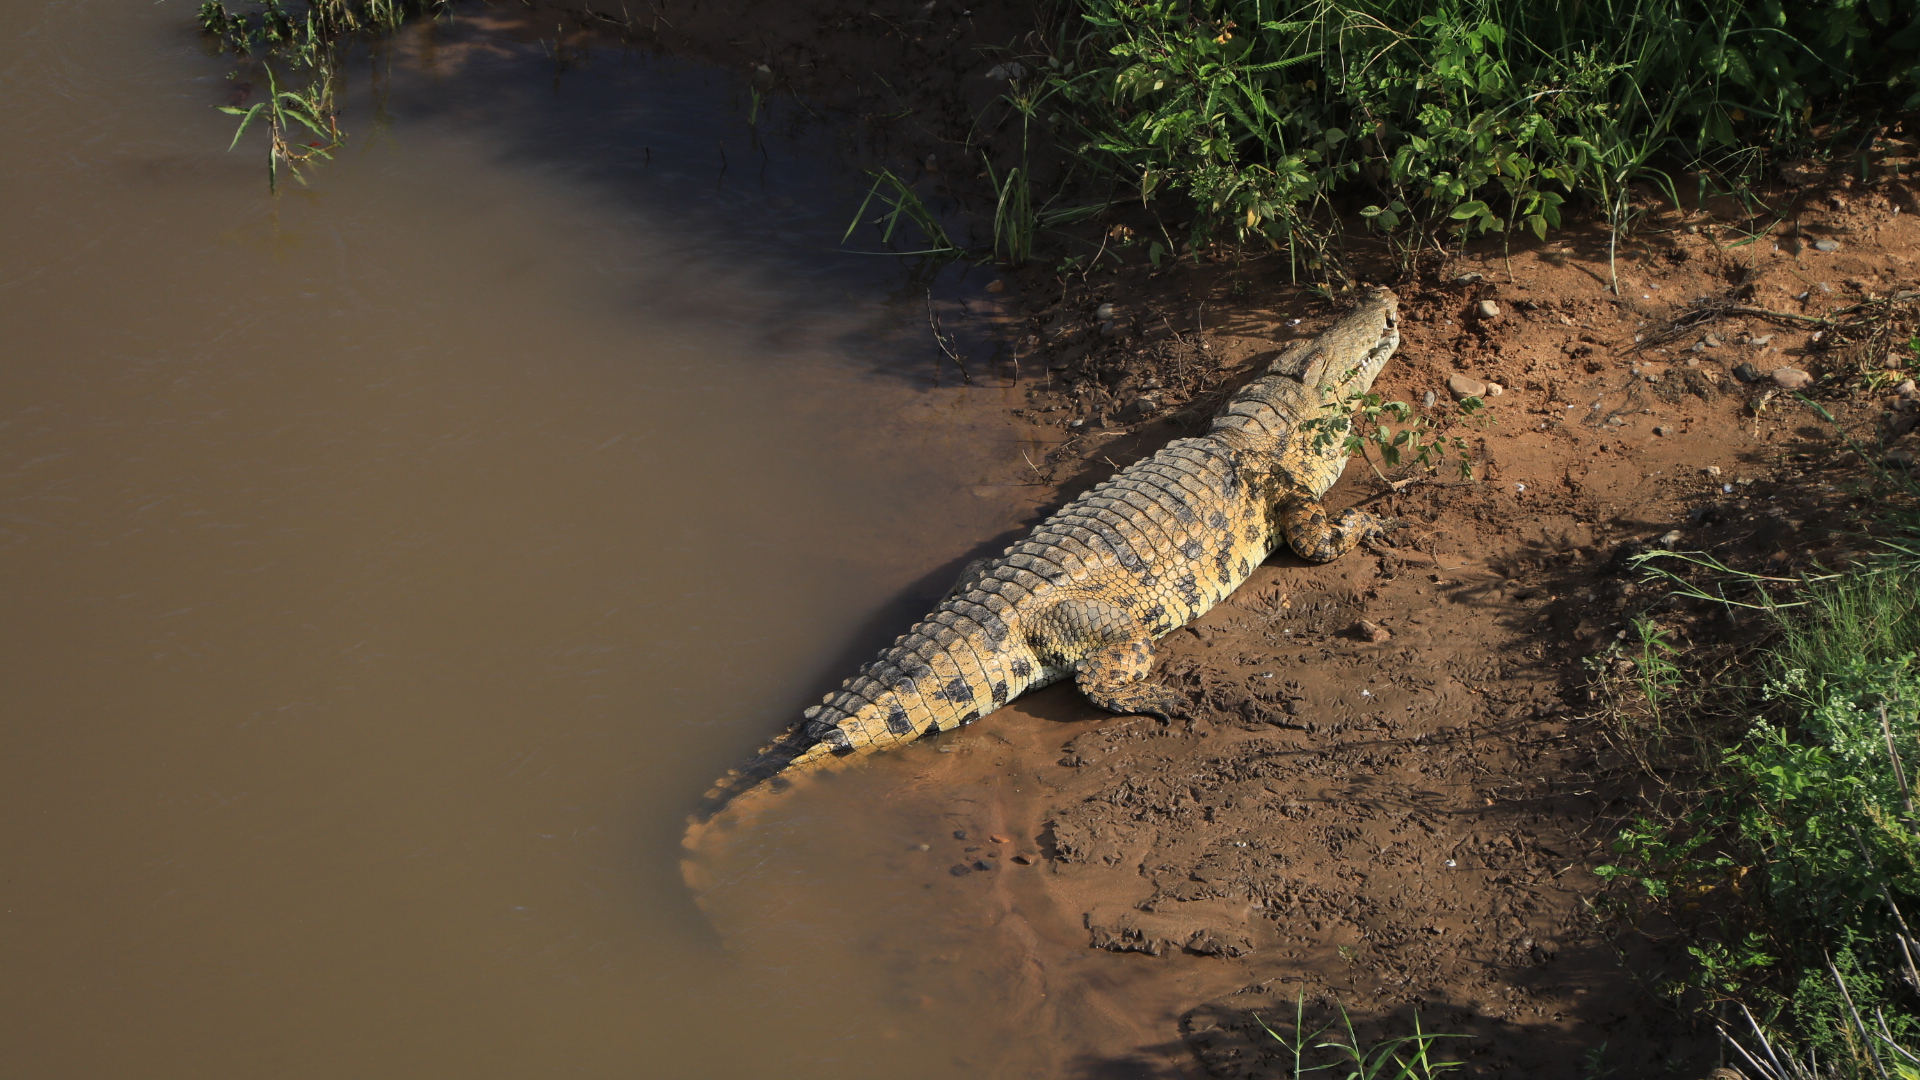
point(1404, 821)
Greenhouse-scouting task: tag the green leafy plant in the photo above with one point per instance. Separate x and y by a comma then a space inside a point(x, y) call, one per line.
point(1363, 424)
point(297, 52)
point(1440, 122)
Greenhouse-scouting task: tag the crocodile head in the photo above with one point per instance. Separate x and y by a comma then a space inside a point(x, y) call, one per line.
point(1347, 358)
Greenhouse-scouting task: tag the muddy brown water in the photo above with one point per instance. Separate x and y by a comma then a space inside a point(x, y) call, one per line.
point(390, 565)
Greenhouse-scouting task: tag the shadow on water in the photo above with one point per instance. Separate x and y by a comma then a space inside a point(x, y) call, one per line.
point(757, 187)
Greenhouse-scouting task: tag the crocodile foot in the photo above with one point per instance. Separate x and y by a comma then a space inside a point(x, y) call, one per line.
point(1115, 678)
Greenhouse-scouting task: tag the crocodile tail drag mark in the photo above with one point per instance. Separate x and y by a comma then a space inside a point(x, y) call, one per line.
point(1088, 591)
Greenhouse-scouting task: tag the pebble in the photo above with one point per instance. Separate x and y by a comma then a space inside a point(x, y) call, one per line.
point(996, 286)
point(1427, 402)
point(1662, 430)
point(1669, 539)
point(1494, 389)
point(1103, 313)
point(1372, 631)
point(1467, 278)
point(1791, 378)
point(1902, 459)
point(1076, 424)
point(1710, 341)
point(1763, 339)
point(1462, 386)
point(1893, 362)
point(1712, 470)
point(1747, 373)
point(1826, 245)
point(1023, 860)
point(1906, 389)
point(1487, 309)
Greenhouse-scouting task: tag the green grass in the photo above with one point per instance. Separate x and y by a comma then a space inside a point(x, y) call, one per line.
point(1794, 861)
point(297, 49)
point(1344, 1055)
point(1434, 122)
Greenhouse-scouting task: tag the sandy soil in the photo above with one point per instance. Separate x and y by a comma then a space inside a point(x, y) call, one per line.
point(1402, 820)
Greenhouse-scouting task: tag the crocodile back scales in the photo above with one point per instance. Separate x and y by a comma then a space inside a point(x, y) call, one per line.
point(1149, 550)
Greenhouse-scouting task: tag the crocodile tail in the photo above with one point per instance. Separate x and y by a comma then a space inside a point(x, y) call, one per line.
point(949, 670)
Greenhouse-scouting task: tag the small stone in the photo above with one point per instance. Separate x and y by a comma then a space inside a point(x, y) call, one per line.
point(1712, 470)
point(1668, 540)
point(1467, 278)
point(1906, 389)
point(1747, 373)
point(1004, 72)
point(996, 286)
point(1462, 386)
point(959, 834)
point(1711, 341)
point(982, 865)
point(1791, 378)
point(1427, 401)
point(1494, 389)
point(1371, 631)
point(1693, 361)
point(1487, 309)
point(997, 838)
point(960, 870)
point(1662, 430)
point(1763, 339)
point(1900, 459)
point(1103, 313)
point(1076, 424)
point(1893, 362)
point(933, 163)
point(1826, 245)
point(1023, 859)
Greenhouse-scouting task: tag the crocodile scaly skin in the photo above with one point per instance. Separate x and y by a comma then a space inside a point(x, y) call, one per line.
point(1089, 590)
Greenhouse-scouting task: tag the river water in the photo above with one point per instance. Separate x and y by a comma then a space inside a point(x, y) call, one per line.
point(390, 564)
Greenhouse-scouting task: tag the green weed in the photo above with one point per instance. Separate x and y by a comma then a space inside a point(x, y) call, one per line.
point(1441, 122)
point(1360, 423)
point(1804, 840)
point(1409, 1057)
point(298, 52)
point(903, 205)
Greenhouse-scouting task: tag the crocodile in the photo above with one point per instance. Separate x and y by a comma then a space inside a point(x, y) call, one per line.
point(1091, 588)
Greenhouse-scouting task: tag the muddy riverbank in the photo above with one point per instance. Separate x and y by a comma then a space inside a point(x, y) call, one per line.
point(1401, 781)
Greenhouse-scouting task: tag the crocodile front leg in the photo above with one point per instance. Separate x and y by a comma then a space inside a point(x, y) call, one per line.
point(1315, 538)
point(1115, 678)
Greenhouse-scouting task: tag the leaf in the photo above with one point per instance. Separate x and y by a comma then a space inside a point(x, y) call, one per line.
point(247, 119)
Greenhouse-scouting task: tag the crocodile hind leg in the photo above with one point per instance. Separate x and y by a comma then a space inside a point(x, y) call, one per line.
point(1115, 678)
point(1315, 538)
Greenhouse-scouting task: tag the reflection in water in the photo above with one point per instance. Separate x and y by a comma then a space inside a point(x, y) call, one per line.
point(390, 565)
